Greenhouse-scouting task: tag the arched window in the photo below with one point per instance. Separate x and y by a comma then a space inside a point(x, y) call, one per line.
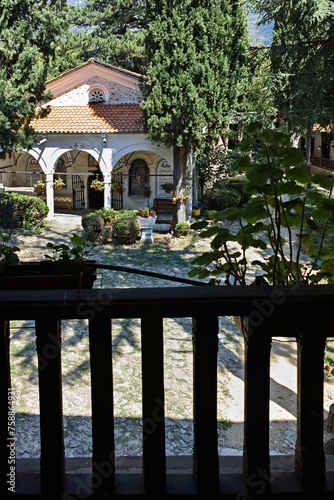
point(98, 93)
point(60, 168)
point(138, 178)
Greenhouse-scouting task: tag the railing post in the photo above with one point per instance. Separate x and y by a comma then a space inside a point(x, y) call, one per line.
point(154, 453)
point(48, 342)
point(256, 464)
point(310, 458)
point(205, 351)
point(102, 403)
point(5, 386)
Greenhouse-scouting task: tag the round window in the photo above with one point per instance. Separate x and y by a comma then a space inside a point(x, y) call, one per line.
point(97, 96)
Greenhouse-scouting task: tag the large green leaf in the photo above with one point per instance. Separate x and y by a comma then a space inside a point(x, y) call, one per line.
point(322, 180)
point(199, 225)
point(299, 174)
point(209, 232)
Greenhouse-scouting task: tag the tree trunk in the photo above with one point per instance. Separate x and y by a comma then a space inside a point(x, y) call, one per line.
point(294, 140)
point(308, 147)
point(180, 156)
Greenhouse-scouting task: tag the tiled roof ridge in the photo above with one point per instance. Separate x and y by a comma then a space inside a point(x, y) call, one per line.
point(100, 63)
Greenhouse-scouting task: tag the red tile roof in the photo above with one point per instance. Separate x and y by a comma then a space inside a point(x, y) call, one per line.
point(92, 118)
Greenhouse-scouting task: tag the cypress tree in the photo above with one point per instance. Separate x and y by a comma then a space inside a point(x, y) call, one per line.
point(27, 30)
point(196, 53)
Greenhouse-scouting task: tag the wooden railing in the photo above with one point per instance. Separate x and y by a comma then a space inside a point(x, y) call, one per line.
point(300, 312)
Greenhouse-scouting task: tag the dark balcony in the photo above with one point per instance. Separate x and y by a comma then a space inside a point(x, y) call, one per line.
point(323, 163)
point(300, 312)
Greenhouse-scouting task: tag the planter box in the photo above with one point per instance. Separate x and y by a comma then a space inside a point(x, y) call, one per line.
point(45, 275)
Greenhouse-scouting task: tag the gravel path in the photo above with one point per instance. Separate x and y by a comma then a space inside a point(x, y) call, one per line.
point(168, 257)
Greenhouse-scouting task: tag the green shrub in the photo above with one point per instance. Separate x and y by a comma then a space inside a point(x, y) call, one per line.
point(105, 213)
point(181, 229)
point(20, 210)
point(93, 225)
point(238, 183)
point(124, 213)
point(126, 230)
point(221, 196)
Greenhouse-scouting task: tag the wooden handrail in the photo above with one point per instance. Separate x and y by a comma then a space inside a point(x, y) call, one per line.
point(301, 312)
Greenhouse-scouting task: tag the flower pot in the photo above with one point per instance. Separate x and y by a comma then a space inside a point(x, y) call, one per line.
point(167, 191)
point(152, 213)
point(60, 187)
point(146, 215)
point(46, 275)
point(117, 190)
point(40, 188)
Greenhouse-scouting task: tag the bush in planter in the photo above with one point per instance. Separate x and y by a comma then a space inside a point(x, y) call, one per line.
point(126, 230)
point(181, 229)
point(277, 218)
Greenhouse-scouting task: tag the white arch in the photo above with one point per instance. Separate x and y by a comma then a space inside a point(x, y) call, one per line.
point(58, 152)
point(161, 151)
point(39, 158)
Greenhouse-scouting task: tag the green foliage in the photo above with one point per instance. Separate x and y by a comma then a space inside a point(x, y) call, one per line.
point(281, 187)
point(181, 229)
point(94, 226)
point(196, 54)
point(196, 51)
point(168, 186)
point(126, 230)
point(145, 210)
point(22, 211)
point(27, 30)
point(111, 31)
point(66, 258)
point(221, 196)
point(8, 253)
point(301, 59)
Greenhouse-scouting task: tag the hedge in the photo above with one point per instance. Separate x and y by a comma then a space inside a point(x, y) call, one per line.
point(22, 211)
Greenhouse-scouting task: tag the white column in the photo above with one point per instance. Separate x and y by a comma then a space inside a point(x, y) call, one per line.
point(50, 195)
point(107, 191)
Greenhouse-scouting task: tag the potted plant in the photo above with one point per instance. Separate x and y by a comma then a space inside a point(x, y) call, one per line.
point(116, 186)
point(210, 213)
point(65, 267)
point(97, 184)
point(274, 220)
point(153, 213)
point(167, 187)
point(181, 229)
point(58, 183)
point(40, 185)
point(145, 212)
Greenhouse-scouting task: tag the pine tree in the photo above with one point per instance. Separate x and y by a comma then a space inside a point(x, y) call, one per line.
point(302, 59)
point(27, 30)
point(108, 30)
point(196, 54)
